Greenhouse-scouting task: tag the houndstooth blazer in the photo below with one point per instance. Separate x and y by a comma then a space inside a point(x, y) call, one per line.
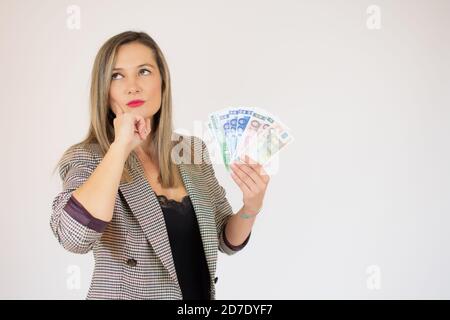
point(133, 258)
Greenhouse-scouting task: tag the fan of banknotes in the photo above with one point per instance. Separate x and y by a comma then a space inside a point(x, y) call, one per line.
point(248, 131)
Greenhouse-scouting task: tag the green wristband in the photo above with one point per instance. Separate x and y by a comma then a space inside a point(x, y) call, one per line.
point(248, 215)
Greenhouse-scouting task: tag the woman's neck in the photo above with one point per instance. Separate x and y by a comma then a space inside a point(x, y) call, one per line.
point(144, 150)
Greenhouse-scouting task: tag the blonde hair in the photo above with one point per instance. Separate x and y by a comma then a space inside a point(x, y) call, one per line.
point(101, 129)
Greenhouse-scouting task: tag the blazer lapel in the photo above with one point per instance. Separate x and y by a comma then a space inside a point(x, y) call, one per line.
point(196, 187)
point(147, 210)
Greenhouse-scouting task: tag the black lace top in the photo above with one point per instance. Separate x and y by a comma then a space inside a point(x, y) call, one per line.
point(187, 248)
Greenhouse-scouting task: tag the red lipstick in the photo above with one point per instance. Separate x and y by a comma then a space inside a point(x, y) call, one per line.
point(135, 103)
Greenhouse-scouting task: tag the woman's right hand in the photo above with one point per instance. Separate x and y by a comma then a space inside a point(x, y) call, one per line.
point(130, 130)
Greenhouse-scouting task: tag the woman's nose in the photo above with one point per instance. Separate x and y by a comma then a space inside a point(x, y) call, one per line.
point(133, 90)
point(133, 86)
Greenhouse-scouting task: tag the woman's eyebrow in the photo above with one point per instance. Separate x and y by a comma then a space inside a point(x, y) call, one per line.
point(141, 65)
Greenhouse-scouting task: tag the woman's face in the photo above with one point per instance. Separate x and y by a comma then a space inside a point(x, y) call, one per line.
point(135, 77)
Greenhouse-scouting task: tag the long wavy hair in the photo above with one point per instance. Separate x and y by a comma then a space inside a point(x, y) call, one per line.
point(101, 129)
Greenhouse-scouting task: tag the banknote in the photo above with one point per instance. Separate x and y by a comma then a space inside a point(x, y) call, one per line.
point(268, 143)
point(219, 135)
point(251, 131)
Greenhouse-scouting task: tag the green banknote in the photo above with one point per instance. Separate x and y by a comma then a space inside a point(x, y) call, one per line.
point(240, 131)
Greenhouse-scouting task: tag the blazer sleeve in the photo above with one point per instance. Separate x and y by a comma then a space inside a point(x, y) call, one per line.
point(73, 226)
point(223, 209)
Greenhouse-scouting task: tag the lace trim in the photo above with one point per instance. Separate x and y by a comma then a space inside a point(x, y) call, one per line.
point(164, 201)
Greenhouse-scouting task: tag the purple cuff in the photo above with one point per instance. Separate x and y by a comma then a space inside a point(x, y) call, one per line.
point(232, 247)
point(76, 210)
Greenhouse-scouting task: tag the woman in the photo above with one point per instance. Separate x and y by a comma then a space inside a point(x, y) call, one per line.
point(154, 223)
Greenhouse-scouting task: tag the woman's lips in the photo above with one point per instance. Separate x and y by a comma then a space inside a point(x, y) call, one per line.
point(135, 103)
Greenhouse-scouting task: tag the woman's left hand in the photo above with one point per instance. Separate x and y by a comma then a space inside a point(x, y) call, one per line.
point(252, 180)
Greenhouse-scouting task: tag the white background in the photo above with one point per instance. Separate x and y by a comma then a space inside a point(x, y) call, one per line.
point(365, 183)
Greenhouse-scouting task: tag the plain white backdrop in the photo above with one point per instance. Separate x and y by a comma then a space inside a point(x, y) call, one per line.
point(359, 207)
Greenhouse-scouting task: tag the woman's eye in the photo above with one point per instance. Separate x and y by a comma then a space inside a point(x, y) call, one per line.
point(114, 76)
point(145, 70)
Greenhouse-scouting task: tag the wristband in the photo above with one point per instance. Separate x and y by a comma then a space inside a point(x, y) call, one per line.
point(249, 215)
